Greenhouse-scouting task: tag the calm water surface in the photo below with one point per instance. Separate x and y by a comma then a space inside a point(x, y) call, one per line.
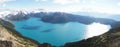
point(56, 34)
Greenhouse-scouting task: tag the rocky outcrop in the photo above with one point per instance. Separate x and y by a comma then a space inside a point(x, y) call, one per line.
point(109, 39)
point(5, 44)
point(9, 37)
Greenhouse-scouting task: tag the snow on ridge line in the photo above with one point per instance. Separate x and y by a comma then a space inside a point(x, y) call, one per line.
point(6, 12)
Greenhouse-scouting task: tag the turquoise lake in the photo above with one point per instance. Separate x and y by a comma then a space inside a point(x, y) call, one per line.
point(56, 34)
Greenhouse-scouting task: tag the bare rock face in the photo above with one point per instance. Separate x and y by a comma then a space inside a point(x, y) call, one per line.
point(5, 44)
point(10, 35)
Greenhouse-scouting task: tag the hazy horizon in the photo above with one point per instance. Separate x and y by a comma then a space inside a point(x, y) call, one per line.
point(99, 6)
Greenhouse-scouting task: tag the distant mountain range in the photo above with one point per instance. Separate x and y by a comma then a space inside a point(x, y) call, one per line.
point(99, 15)
point(59, 17)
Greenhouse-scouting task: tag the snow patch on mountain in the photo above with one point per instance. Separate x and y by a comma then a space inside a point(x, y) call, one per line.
point(12, 12)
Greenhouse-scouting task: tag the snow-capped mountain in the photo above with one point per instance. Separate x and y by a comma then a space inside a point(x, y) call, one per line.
point(4, 12)
point(16, 14)
point(10, 14)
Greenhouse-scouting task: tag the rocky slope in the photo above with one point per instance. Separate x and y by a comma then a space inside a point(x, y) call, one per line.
point(109, 39)
point(9, 37)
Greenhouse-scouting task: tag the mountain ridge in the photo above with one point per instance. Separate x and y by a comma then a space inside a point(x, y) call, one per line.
point(61, 17)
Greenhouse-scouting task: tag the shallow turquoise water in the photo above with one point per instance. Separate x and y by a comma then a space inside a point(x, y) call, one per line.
point(56, 34)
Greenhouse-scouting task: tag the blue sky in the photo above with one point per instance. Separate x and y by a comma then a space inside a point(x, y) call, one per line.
point(101, 6)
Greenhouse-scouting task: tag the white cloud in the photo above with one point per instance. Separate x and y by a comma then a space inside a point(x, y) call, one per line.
point(43, 0)
point(3, 1)
point(118, 4)
point(40, 0)
point(63, 2)
point(3, 5)
point(85, 9)
point(37, 0)
point(104, 10)
point(65, 9)
point(83, 1)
